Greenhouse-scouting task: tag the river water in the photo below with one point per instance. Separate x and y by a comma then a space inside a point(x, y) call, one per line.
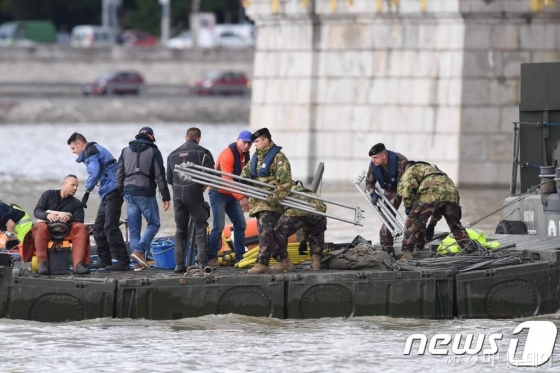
point(229, 343)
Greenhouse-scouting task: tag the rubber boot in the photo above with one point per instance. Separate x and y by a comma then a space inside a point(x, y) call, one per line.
point(283, 266)
point(258, 269)
point(180, 268)
point(315, 262)
point(43, 268)
point(81, 269)
point(405, 256)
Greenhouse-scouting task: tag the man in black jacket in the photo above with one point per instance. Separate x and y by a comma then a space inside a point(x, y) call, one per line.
point(139, 171)
point(188, 198)
point(62, 207)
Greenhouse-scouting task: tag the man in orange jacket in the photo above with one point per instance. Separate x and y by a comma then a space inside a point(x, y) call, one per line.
point(231, 160)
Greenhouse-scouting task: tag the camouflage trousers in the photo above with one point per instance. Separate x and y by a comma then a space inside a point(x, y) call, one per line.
point(385, 237)
point(266, 221)
point(315, 225)
point(415, 226)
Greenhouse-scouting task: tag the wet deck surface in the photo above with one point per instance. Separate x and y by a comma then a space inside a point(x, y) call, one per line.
point(522, 242)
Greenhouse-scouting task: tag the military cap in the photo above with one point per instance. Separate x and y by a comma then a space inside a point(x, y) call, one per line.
point(376, 149)
point(259, 133)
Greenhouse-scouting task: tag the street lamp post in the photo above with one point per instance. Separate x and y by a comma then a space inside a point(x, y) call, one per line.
point(165, 16)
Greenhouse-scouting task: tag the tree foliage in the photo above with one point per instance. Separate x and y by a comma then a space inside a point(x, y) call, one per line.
point(133, 14)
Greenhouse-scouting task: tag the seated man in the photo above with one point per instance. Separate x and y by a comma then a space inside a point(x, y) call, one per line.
point(61, 206)
point(14, 221)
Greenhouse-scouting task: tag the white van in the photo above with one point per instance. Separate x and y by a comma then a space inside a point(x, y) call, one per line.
point(90, 36)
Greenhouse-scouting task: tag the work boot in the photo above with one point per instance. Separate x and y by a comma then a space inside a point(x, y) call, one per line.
point(80, 269)
point(315, 262)
point(140, 259)
point(283, 266)
point(180, 268)
point(118, 267)
point(98, 265)
point(258, 269)
point(389, 250)
point(213, 263)
point(405, 256)
point(43, 268)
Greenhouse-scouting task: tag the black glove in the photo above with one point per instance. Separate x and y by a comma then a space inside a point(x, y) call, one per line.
point(302, 249)
point(85, 199)
point(375, 198)
point(407, 210)
point(430, 232)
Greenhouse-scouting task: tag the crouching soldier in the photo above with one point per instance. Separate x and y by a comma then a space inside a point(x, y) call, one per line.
point(313, 225)
point(428, 192)
point(62, 208)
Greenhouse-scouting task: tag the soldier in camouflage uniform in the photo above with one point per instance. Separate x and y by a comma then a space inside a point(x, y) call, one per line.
point(428, 192)
point(268, 165)
point(314, 226)
point(386, 168)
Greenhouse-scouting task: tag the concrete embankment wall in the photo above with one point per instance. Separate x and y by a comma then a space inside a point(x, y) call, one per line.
point(59, 64)
point(124, 110)
point(65, 64)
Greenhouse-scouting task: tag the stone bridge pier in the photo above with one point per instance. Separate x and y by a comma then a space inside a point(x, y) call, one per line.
point(436, 80)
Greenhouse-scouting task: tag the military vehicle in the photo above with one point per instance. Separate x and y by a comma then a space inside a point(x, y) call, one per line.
point(499, 285)
point(536, 155)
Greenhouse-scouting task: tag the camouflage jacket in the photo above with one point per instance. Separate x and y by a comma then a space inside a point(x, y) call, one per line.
point(371, 180)
point(424, 183)
point(316, 204)
point(280, 175)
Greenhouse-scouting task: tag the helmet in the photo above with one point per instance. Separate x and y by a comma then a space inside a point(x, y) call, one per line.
point(58, 230)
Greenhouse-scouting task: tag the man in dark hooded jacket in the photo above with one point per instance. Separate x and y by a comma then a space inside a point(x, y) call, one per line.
point(139, 171)
point(188, 198)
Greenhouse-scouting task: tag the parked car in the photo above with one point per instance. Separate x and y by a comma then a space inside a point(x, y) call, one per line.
point(228, 39)
point(222, 82)
point(91, 36)
point(115, 82)
point(139, 38)
point(180, 41)
point(27, 32)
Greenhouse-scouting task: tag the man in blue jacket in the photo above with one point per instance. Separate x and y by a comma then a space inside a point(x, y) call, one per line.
point(140, 170)
point(386, 168)
point(102, 171)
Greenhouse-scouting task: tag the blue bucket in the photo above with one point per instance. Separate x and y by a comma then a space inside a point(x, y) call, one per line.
point(164, 253)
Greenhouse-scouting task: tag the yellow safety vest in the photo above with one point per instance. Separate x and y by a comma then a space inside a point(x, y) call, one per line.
point(449, 245)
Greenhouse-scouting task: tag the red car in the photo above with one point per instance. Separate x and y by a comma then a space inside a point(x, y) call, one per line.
point(139, 38)
point(222, 82)
point(115, 82)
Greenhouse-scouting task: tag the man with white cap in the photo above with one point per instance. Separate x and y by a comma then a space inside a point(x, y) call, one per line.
point(231, 160)
point(139, 171)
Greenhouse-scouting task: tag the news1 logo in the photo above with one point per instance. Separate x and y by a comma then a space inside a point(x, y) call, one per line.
point(537, 350)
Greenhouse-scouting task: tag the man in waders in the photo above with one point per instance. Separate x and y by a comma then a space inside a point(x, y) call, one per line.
point(386, 168)
point(427, 191)
point(269, 165)
point(188, 199)
point(61, 207)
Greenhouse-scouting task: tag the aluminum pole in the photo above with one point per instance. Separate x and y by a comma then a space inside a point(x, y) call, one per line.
point(235, 187)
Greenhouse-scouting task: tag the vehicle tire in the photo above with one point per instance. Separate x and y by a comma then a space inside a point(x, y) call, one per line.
point(511, 227)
